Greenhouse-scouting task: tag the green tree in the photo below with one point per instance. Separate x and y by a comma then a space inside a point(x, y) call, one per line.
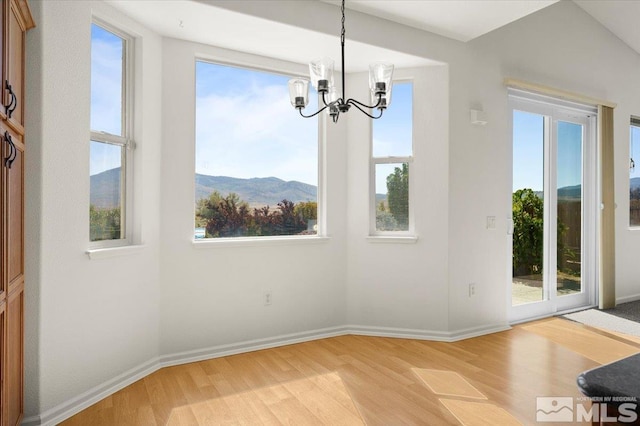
point(289, 223)
point(385, 221)
point(223, 216)
point(398, 195)
point(104, 224)
point(307, 210)
point(230, 217)
point(528, 232)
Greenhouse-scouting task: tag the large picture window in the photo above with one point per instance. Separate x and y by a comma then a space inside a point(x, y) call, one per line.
point(110, 140)
point(634, 173)
point(392, 150)
point(256, 168)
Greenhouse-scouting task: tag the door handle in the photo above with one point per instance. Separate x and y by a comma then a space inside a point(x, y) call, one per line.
point(13, 103)
point(13, 152)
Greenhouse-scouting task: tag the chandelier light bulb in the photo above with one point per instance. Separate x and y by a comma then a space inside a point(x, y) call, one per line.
point(299, 92)
point(384, 99)
point(332, 98)
point(321, 73)
point(380, 77)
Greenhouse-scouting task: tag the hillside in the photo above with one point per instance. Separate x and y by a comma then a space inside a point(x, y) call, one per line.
point(105, 189)
point(256, 191)
point(570, 192)
point(634, 183)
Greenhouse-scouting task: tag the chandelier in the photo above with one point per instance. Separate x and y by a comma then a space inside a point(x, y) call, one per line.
point(321, 76)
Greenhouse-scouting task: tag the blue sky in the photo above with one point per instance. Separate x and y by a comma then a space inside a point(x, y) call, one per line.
point(393, 133)
point(246, 126)
point(528, 152)
point(635, 153)
point(106, 90)
point(265, 136)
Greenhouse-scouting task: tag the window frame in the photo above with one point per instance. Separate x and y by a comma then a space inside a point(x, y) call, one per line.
point(374, 161)
point(253, 63)
point(634, 121)
point(125, 141)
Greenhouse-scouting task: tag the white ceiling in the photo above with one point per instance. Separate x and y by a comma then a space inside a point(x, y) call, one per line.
point(621, 17)
point(218, 26)
point(215, 23)
point(461, 20)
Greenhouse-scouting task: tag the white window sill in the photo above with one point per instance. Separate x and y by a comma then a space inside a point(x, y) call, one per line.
point(105, 253)
point(209, 243)
point(393, 239)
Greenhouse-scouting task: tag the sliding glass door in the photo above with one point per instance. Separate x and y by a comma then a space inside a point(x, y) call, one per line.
point(553, 208)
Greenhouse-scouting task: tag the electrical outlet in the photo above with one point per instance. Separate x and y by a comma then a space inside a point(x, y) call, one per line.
point(472, 289)
point(268, 298)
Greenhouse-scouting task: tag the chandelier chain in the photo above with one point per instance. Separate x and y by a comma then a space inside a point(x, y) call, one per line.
point(342, 34)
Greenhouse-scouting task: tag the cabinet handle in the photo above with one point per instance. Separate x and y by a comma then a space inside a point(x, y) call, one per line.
point(13, 153)
point(13, 104)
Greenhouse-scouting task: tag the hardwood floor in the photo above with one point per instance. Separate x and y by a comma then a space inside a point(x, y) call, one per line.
point(355, 380)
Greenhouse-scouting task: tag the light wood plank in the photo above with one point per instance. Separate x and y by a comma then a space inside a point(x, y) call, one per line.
point(479, 414)
point(594, 346)
point(448, 383)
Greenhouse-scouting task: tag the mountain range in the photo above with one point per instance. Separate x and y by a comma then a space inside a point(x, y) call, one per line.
point(105, 189)
point(256, 191)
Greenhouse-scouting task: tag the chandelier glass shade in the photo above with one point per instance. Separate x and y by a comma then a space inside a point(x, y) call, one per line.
point(321, 77)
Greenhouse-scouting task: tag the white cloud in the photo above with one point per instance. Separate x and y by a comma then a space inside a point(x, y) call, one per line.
point(255, 134)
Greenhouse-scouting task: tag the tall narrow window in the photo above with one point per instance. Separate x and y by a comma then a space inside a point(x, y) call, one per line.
point(634, 173)
point(392, 150)
point(256, 160)
point(110, 136)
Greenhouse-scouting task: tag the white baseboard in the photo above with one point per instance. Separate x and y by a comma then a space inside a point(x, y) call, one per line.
point(627, 299)
point(74, 405)
point(436, 336)
point(250, 346)
point(468, 333)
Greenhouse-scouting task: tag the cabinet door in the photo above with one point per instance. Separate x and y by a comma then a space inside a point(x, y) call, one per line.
point(14, 212)
point(5, 98)
point(5, 151)
point(14, 383)
point(3, 359)
point(16, 28)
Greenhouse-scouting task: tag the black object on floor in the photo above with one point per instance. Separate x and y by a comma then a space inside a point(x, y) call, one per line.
point(630, 311)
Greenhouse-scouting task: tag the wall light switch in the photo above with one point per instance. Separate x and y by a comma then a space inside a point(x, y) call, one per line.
point(491, 222)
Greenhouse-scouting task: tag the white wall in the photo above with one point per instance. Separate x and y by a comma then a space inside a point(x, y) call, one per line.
point(87, 321)
point(401, 285)
point(214, 296)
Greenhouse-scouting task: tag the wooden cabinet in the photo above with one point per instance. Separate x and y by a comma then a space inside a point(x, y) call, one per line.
point(16, 20)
